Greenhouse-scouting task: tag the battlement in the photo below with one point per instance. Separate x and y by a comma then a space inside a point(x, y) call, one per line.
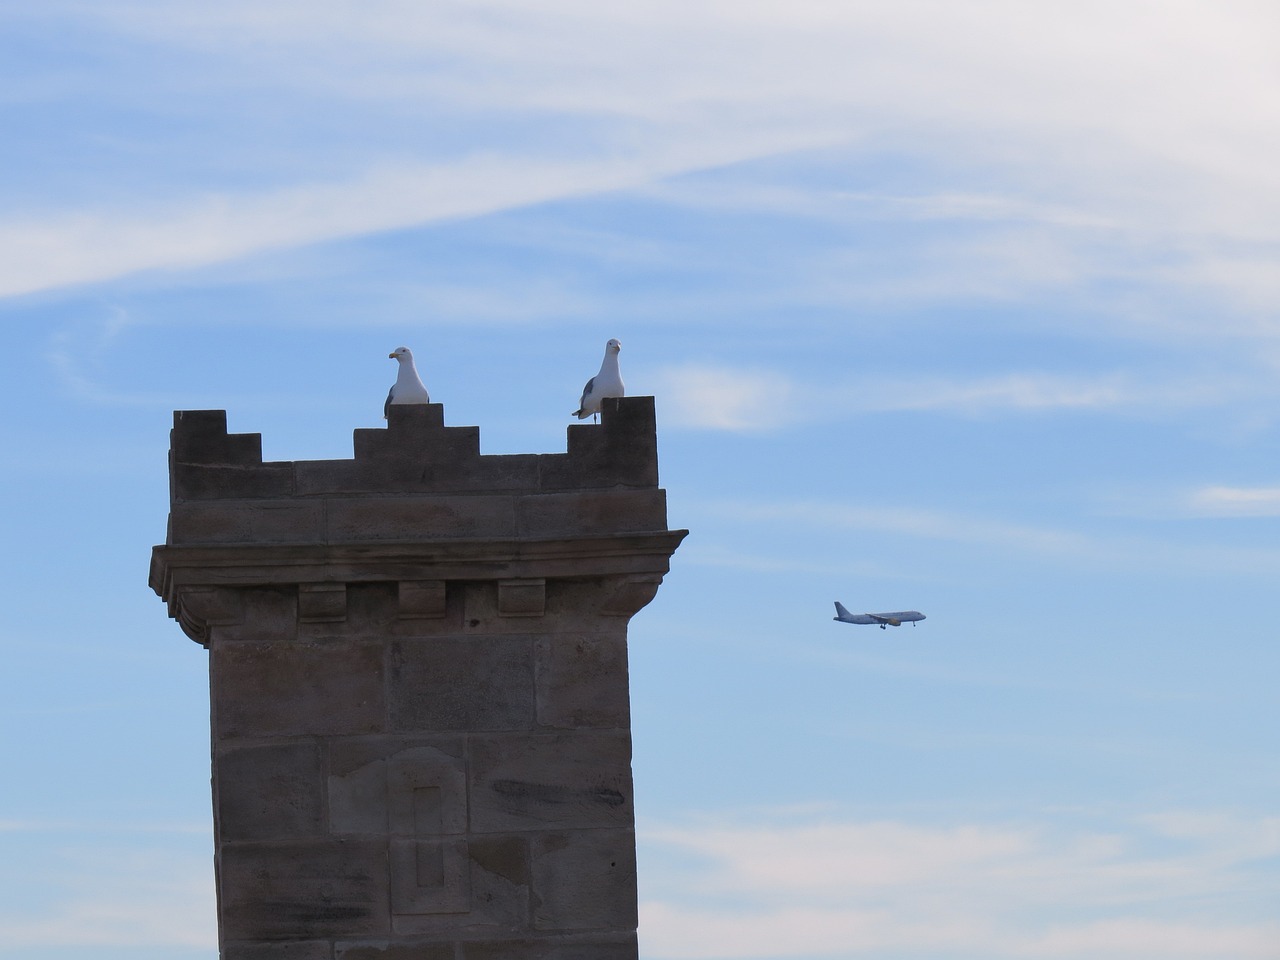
point(417, 479)
point(415, 454)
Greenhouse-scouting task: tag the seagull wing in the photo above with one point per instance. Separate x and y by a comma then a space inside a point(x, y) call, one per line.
point(586, 392)
point(386, 407)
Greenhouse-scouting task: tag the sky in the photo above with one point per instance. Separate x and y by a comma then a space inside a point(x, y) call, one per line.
point(969, 307)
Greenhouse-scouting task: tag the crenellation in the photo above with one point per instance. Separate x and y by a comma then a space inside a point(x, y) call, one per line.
point(200, 436)
point(414, 454)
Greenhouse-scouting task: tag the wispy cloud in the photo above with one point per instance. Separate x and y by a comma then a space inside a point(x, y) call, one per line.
point(1144, 888)
point(92, 246)
point(752, 399)
point(127, 897)
point(1234, 502)
point(1075, 547)
point(721, 398)
point(1163, 145)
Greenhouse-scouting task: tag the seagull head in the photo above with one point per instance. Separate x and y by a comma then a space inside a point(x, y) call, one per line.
point(613, 346)
point(400, 353)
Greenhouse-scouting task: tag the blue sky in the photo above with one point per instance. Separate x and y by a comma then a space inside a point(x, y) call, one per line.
point(964, 307)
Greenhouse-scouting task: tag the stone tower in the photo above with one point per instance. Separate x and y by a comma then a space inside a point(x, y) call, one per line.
point(418, 685)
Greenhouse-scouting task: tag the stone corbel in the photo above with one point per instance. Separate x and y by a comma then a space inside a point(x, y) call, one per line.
point(631, 595)
point(197, 609)
point(322, 602)
point(522, 598)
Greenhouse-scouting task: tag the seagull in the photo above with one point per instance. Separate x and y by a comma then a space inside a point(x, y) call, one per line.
point(606, 383)
point(408, 387)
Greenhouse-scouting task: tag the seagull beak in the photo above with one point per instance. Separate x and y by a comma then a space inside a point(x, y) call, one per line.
point(391, 356)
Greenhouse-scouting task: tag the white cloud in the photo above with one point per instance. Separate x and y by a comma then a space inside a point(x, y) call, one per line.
point(850, 888)
point(721, 398)
point(1234, 502)
point(711, 397)
point(1153, 122)
point(36, 255)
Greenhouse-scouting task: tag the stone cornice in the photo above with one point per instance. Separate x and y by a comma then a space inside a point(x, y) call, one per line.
point(193, 580)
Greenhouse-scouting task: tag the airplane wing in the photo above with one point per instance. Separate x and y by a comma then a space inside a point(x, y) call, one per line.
point(897, 618)
point(892, 619)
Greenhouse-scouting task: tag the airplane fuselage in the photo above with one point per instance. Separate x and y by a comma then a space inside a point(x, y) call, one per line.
point(895, 619)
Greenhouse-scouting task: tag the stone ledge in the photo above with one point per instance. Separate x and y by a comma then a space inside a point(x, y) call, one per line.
point(200, 583)
point(263, 565)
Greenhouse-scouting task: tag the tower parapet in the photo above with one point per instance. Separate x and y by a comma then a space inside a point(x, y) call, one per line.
point(418, 681)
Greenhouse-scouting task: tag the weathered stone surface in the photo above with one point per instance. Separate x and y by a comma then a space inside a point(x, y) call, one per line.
point(416, 518)
point(304, 890)
point(584, 880)
point(267, 614)
point(462, 684)
point(246, 521)
point(581, 681)
point(550, 781)
point(311, 689)
point(225, 481)
point(557, 948)
point(422, 599)
point(584, 512)
point(286, 801)
point(371, 780)
point(200, 437)
point(395, 951)
point(305, 950)
point(498, 889)
point(322, 602)
point(430, 877)
point(522, 598)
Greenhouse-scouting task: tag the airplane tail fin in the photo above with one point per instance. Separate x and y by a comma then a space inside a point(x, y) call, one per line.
point(841, 612)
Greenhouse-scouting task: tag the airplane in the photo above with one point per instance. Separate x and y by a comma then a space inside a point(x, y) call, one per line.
point(883, 619)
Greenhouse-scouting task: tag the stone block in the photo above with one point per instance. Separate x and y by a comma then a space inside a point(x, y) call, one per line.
point(304, 890)
point(266, 614)
point(620, 451)
point(481, 616)
point(590, 512)
point(450, 684)
point(515, 472)
point(422, 599)
point(322, 602)
point(371, 780)
point(550, 781)
point(426, 793)
point(522, 598)
point(610, 947)
point(372, 608)
point(304, 950)
point(268, 792)
point(499, 894)
point(394, 951)
point(420, 518)
point(200, 436)
point(246, 521)
point(220, 481)
point(298, 689)
point(584, 880)
point(581, 681)
point(430, 876)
